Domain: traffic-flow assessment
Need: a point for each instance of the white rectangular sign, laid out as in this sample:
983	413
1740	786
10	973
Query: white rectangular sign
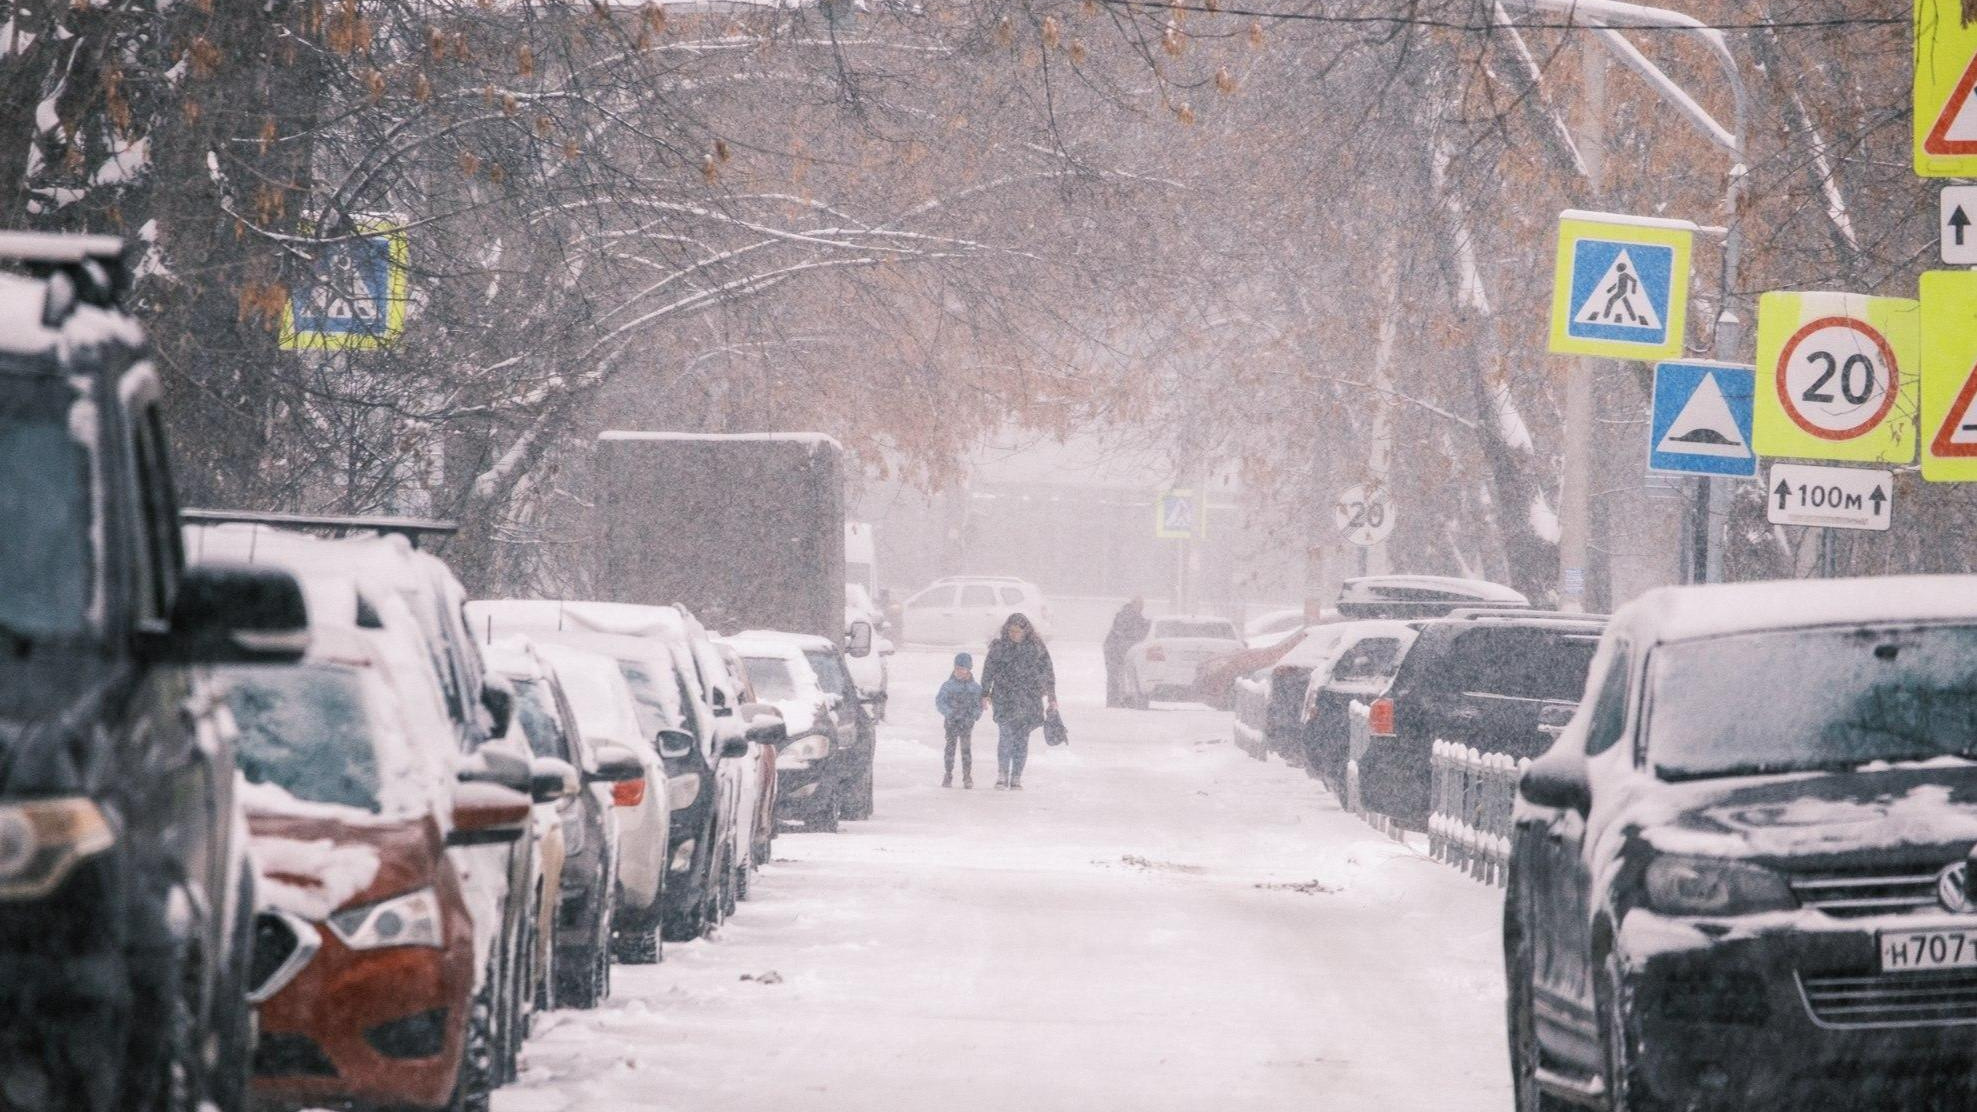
1958	225
1833	497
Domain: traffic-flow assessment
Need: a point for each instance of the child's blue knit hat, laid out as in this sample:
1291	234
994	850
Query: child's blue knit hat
964	660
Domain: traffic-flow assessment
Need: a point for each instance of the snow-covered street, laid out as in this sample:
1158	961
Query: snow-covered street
1157	922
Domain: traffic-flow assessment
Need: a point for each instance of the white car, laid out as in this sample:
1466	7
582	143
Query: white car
1166	664
970	610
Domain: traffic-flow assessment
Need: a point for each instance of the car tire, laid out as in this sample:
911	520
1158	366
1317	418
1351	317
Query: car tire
826	814
1625	1090
1522	1023
233	1017
637	947
731	886
473	1088
588	981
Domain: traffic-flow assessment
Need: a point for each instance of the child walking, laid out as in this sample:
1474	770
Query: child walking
960	704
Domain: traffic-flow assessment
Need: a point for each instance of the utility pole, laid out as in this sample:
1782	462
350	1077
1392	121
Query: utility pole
1379	462
1574	501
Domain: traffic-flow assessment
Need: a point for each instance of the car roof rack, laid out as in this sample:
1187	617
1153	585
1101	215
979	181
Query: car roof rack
1474	613
98	268
411	528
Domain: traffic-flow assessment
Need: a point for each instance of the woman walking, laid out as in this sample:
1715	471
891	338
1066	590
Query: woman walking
1020	684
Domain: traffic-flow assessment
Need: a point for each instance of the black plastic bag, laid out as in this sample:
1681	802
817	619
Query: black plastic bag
1054	732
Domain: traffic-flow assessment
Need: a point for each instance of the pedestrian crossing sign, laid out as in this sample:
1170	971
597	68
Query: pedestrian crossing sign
356	295
1701	422
1949	376
1179	517
1620	288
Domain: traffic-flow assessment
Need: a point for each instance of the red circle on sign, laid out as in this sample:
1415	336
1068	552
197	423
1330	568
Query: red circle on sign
1778	375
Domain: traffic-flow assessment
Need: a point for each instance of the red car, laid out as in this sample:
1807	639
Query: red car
370	1000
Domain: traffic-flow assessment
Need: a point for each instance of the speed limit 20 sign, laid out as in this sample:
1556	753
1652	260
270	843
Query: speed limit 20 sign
1837	377
1365	514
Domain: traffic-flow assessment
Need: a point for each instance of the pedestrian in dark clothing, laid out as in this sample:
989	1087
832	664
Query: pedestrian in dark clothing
959	702
1020	683
1129	628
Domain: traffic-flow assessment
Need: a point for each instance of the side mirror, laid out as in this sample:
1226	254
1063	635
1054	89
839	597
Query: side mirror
616	764
1558	782
858	641
735	745
487	815
499	699
675	743
233	614
768	730
551	780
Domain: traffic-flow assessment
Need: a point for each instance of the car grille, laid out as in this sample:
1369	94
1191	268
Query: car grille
283	1055
1852	895
1905	1000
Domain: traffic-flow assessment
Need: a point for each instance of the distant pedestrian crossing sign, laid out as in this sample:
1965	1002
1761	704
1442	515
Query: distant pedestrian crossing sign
1620	288
1701	423
1179	517
356	295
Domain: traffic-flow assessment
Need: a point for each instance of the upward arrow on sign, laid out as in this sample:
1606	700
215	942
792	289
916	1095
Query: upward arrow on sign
1959	220
1783	491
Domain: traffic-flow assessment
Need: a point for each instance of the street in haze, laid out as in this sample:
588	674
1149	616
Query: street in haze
1157	921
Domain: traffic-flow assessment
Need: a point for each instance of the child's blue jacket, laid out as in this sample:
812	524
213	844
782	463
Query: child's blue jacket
959	701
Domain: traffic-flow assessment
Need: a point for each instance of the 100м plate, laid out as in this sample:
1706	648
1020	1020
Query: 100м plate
1919	951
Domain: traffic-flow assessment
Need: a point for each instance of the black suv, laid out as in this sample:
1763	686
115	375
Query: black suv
1481	678
126	901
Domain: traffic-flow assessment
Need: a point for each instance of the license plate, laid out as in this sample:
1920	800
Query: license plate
1914	951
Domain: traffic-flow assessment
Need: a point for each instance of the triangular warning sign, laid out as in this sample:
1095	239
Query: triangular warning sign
1180	515
1619	298
1955	130
1957	438
1705	426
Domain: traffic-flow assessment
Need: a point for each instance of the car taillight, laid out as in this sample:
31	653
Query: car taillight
1380	718
628	793
1156	655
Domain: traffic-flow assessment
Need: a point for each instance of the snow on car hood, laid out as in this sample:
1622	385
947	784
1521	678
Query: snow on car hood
1817	813
799	717
314	877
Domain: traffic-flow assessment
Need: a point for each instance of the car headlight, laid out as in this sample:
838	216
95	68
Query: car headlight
408	920
1709	886
42	841
813	748
682	790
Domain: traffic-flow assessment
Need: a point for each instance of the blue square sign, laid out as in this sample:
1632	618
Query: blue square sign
1702	419
1620	291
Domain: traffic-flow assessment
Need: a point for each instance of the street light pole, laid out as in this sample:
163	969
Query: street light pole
1609	20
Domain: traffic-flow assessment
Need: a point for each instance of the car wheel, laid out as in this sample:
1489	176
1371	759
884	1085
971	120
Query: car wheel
1524	1052
826	814
637	947
476	1081
1625	1092
233	1016
731	886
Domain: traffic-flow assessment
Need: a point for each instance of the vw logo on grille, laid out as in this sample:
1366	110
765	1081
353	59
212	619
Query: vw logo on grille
1953	887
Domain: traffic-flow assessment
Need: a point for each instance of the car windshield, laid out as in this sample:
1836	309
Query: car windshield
656	695
1185	627
309	730
830	674
535	707
1813	699
45	550
772	676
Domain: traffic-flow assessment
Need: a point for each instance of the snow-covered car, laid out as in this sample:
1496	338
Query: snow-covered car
1421	596
970	610
574	946
870	670
1356	667
1273	626
1167	663
1741	877
373	995
125	892
680	686
378	580
815	758
762	783
607	717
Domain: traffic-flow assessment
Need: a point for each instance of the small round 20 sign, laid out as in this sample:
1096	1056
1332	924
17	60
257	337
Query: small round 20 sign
1365	514
1837	378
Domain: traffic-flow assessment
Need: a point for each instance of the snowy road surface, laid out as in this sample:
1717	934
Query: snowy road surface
1157	922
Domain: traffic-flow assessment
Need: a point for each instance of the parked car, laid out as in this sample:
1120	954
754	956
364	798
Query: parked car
679	685
575	944
858	732
1358	667
1166	664
1741	878
1273	626
1482	678
811	759
753	713
870	670
970	610
1215	680
370	575
607	717
126	895
1421	596
373	996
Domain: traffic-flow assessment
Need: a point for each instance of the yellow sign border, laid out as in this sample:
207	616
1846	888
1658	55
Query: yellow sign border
1949	359
1780	315
1945	49
397	296
1574	227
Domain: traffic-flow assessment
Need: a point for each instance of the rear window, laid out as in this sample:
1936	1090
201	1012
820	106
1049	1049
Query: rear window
772	677
45	559
1012	596
1371	659
308	730
1520	662
1181	627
